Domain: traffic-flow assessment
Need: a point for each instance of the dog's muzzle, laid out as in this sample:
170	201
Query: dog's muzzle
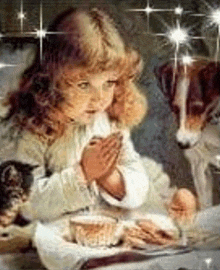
187	139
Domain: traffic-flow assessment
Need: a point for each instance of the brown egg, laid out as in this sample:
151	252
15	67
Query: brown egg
183	205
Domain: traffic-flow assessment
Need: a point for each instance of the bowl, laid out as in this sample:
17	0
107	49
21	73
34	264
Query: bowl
94	231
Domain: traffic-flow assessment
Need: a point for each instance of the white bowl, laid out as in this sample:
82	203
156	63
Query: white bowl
94	231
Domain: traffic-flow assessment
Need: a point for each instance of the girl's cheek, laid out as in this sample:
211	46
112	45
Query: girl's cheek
78	94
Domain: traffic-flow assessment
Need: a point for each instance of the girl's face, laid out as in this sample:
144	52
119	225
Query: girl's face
88	94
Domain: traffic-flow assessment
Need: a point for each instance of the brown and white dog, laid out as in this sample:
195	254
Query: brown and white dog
193	94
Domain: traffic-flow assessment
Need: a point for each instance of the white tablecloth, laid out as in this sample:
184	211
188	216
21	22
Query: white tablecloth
57	254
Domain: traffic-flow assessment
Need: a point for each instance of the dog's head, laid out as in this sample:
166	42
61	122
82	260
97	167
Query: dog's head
193	94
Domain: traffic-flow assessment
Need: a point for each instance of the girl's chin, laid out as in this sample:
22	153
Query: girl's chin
85	119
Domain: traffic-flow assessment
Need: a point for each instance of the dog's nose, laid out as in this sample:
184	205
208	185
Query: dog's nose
183	145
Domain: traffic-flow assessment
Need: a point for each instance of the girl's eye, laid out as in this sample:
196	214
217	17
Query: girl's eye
110	84
83	85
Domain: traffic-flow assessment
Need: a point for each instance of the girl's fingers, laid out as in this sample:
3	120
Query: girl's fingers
111	160
112	138
113	147
134	242
95	140
108	153
108	141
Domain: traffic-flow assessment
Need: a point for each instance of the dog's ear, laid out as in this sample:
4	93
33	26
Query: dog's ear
210	79
165	78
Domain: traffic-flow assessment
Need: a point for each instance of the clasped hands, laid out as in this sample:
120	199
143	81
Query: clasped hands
99	161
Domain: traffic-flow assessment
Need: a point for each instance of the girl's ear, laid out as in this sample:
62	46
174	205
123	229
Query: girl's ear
135	65
128	106
137	70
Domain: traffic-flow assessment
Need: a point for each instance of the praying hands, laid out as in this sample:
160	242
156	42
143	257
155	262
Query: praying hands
99	161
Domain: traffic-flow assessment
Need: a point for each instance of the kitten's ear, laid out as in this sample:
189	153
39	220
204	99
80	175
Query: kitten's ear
165	78
31	167
9	173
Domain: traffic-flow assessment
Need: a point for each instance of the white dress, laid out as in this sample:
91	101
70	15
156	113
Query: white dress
59	184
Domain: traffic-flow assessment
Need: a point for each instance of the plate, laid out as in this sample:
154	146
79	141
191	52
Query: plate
168	251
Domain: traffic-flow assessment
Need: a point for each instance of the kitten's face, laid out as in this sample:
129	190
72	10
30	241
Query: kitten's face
15	181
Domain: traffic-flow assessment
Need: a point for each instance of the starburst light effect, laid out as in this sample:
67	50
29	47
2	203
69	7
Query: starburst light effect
215	17
178	10
41	33
187	60
178	35
214	20
3	65
149	10
208	262
21	16
218	159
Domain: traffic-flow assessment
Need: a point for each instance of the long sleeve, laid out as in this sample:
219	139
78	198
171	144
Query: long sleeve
61	192
134	174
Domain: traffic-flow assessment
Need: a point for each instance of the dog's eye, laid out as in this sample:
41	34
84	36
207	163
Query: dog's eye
175	109
196	109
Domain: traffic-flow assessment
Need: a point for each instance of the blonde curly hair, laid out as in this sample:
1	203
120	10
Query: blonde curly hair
88	39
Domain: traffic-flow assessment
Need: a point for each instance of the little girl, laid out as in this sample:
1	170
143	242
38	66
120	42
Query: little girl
72	116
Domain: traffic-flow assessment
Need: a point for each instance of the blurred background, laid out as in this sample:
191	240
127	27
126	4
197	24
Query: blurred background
155	137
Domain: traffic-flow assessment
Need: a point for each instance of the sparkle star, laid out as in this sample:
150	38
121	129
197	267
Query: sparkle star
214	19
149	10
3	65
41	33
178	35
187	60
178	10
218	159
208	262
21	15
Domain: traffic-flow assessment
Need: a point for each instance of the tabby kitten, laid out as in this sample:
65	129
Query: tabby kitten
15	182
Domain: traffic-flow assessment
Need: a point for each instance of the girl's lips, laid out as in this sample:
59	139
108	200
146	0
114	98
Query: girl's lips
91	111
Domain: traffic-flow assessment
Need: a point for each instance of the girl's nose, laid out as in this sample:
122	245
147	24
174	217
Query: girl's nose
96	94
